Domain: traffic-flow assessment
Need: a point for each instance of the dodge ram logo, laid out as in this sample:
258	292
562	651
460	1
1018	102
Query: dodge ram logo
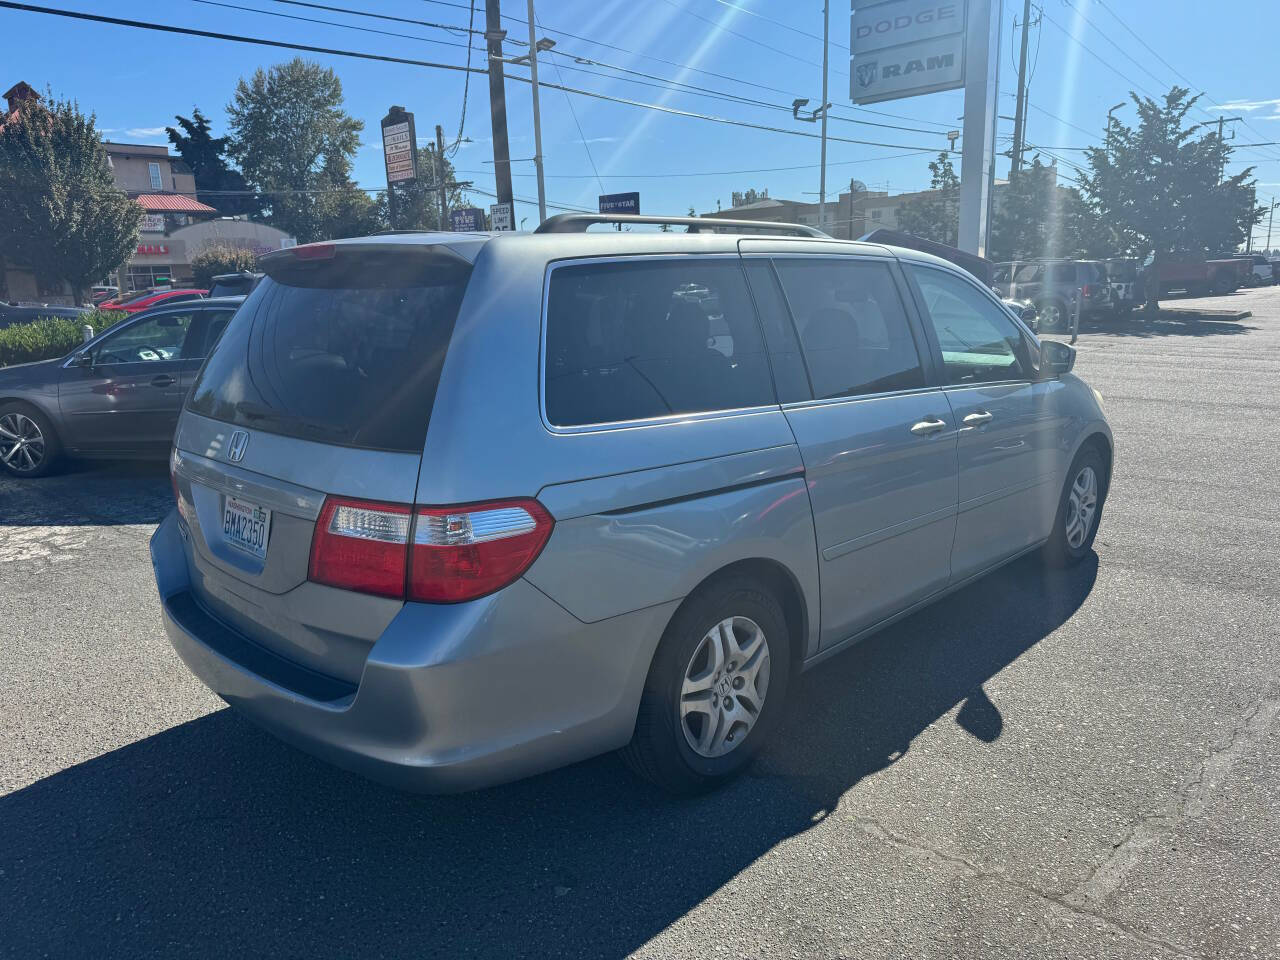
866	73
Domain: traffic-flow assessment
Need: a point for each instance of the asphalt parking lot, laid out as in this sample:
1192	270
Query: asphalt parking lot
1043	765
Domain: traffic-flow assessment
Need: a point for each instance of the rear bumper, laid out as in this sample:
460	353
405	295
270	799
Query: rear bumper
452	697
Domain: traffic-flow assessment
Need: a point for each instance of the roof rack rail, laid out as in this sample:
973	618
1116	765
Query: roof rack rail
579	222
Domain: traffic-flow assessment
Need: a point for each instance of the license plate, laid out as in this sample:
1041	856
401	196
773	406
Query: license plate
246	526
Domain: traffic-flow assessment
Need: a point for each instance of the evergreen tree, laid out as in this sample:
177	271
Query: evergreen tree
61	213
216	182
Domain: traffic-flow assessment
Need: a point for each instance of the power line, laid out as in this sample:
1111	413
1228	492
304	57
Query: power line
466	82
720	28
332	23
380	16
577	123
777	23
713	173
1072	37
239	38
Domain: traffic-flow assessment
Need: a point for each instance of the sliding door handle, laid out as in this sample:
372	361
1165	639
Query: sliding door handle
926	427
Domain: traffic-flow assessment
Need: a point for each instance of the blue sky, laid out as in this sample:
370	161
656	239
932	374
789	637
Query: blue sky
765	50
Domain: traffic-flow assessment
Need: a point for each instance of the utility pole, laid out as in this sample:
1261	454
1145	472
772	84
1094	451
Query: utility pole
494	35
440	184
1020	112
1270	217
822	175
537	122
1222	145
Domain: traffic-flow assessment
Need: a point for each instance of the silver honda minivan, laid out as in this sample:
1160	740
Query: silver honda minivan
453	509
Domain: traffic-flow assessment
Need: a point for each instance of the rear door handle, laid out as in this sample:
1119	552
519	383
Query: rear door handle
978	419
926	427
163	380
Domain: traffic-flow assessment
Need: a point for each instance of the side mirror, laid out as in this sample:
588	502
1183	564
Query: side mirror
1056	358
82	359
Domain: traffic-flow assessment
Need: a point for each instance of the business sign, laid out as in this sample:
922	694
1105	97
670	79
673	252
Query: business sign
620	203
903	48
152	223
399	146
466	219
153	249
500	216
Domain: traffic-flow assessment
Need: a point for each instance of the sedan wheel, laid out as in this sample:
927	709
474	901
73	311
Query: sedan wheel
22	443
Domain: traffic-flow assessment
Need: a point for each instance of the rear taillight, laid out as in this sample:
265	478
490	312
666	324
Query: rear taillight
433	554
460	553
359	545
1088	290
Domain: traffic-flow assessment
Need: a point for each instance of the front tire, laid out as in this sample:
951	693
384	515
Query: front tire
1053	314
28	443
716	689
1079	510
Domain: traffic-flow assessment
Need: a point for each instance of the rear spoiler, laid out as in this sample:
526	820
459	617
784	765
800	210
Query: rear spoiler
279	260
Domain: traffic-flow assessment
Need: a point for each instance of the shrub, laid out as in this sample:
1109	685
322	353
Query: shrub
213	260
48	337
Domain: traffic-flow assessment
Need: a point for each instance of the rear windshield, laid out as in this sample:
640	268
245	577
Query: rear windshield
346	350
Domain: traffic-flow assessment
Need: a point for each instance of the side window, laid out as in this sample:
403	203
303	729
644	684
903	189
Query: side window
147	341
789	374
648	338
153	169
980	341
853	328
205	333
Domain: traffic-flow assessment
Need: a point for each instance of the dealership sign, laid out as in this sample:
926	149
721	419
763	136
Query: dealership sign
399	146
903	48
620	203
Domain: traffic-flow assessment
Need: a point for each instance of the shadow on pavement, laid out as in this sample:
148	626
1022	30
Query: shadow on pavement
1185	325
89	492
214	838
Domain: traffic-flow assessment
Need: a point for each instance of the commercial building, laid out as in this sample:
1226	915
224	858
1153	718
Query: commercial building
176	226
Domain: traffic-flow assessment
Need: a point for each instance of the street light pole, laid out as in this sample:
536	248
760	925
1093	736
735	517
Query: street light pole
537	120
822	175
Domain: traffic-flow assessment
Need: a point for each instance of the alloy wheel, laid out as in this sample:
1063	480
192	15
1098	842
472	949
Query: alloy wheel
1082	507
724	687
22	445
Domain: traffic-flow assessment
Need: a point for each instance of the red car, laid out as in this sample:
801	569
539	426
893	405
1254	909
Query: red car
132	303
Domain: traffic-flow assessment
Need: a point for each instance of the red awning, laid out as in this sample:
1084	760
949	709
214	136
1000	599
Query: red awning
172	203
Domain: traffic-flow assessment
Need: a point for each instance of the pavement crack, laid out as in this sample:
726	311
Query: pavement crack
969	868
1193	800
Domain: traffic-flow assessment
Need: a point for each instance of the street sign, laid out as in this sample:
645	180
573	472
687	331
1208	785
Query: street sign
903	48
399	146
466	219
620	203
500	217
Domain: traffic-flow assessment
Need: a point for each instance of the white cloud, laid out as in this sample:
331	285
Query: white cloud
1271	108
597	140
145	132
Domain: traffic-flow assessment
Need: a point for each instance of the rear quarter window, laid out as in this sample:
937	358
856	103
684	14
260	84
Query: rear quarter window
633	340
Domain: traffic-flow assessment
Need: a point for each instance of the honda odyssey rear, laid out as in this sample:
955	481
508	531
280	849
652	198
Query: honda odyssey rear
457	508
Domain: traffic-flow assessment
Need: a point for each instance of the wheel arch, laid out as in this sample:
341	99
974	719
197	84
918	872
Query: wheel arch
1099	441
780	581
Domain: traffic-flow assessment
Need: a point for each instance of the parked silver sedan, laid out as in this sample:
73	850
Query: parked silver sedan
453	509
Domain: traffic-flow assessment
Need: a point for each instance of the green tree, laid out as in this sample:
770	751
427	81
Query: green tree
294	143
417	204
220	258
934	215
205	154
60	212
1161	185
1035	217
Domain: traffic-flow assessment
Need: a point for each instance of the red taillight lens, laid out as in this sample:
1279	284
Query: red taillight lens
460	553
314	251
1088	290
359	545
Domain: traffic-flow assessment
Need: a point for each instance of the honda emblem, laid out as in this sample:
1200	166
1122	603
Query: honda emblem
235	449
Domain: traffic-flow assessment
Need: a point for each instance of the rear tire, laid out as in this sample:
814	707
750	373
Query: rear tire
29	445
1079	510
1053	314
716	689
